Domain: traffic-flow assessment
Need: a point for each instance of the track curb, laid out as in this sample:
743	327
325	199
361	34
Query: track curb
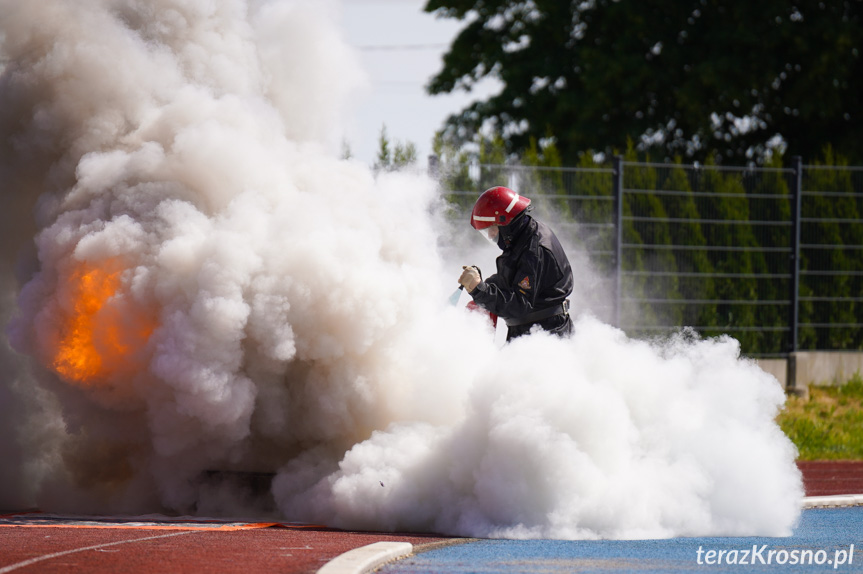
833	500
366	558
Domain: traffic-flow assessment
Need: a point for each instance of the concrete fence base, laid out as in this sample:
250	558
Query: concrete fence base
805	368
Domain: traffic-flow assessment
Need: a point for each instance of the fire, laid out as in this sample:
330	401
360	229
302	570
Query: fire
101	332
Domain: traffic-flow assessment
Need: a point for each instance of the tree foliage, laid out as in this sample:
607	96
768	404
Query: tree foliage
680	77
393	156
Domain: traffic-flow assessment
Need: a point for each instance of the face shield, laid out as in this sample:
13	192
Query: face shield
491	233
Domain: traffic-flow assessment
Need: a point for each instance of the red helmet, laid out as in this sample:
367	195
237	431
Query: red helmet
497	206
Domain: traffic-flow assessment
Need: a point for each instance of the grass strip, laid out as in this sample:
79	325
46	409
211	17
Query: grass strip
828	425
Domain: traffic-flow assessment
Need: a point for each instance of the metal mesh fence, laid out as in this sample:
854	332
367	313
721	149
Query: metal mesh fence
771	256
831	254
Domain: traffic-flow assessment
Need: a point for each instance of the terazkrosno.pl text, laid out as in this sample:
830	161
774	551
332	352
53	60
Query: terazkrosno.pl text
762	554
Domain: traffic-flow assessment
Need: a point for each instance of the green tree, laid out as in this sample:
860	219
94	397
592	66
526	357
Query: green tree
545	175
492	163
400	156
735	254
693	265
680	77
592	207
833	242
466	172
453	173
770	215
658	289
346	150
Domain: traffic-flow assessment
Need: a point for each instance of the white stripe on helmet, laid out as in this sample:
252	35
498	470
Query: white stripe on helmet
483	218
512	203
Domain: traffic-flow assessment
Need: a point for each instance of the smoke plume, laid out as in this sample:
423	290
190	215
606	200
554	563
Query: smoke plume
193	282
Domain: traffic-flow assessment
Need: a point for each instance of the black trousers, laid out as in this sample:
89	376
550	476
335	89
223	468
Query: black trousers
560	325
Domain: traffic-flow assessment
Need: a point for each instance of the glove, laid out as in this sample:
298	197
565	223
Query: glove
470	278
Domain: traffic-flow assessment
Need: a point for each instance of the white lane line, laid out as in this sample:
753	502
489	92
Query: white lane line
12	567
366	558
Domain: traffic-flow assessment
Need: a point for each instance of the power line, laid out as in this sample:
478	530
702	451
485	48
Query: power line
402	47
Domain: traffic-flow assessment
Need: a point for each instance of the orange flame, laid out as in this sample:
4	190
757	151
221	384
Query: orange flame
100	333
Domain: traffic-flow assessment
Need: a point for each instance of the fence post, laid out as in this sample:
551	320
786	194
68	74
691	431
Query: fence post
617	190
796	203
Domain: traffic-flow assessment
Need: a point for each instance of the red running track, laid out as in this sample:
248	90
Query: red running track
190	550
46	546
826	477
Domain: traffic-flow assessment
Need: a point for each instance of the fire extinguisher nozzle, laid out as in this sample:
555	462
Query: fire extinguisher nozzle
453	299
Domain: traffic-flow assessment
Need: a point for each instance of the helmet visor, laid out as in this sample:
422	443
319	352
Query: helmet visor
491	233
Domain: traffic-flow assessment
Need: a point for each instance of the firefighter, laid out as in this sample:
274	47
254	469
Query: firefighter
533	278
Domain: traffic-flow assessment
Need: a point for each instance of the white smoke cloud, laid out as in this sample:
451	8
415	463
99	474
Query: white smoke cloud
213	290
597	436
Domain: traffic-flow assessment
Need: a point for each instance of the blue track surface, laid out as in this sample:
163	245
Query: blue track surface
823	538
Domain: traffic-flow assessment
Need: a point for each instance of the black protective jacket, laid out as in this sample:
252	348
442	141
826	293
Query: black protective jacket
532	282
